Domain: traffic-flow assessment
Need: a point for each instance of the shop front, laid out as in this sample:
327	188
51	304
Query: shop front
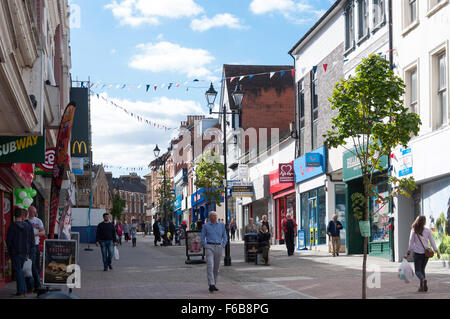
200	207
381	217
282	189
310	172
178	212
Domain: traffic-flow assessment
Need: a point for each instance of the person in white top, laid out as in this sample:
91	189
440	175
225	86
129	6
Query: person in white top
418	243
39	231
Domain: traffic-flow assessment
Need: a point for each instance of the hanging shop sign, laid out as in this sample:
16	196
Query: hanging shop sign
46	168
242	190
58	255
62	145
286	172
317	161
275	183
405	163
80	127
22	149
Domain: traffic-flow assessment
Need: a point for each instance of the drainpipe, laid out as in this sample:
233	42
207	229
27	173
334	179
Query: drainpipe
295	109
391	61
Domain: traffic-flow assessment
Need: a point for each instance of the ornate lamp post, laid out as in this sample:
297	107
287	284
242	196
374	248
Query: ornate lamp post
238	96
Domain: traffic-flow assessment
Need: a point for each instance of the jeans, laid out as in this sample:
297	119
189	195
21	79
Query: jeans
420	262
17	263
107	252
31	282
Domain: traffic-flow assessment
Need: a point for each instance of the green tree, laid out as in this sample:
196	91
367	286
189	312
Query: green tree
210	174
373	119
118	205
164	197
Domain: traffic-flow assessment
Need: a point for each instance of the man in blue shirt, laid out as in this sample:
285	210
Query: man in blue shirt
333	230
214	239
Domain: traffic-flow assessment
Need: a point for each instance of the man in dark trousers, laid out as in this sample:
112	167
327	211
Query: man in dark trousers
290	232
333	230
172	231
106	238
156	232
19	248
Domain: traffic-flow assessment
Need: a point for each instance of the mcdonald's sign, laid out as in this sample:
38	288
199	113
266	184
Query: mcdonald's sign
79	149
80	130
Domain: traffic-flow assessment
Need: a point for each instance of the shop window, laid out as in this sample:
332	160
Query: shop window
322	218
339	191
380	217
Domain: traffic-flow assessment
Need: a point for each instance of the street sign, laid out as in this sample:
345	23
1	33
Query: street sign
301	240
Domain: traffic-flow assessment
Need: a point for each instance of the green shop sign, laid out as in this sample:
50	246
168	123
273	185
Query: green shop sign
352	166
22	149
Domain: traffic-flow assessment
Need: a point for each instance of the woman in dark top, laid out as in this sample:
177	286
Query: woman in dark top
264	243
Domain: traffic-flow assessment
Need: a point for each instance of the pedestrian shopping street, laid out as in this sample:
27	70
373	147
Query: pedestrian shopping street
149	272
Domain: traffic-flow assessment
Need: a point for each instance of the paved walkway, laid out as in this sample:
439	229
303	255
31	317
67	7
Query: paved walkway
160	272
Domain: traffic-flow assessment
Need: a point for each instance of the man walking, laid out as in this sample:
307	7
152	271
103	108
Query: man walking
38	230
106	238
333	230
156	232
126	231
19	248
251	227
214	239
290	232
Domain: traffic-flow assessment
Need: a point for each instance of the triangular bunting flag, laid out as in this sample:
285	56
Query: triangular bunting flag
155	86
282	73
178	84
240	79
124	86
325	66
170	85
293	73
148	87
272	74
251	76
315	68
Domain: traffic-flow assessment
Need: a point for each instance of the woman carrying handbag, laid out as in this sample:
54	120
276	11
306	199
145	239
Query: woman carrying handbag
418	242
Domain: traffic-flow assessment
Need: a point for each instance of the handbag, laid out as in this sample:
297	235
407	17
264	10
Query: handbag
428	252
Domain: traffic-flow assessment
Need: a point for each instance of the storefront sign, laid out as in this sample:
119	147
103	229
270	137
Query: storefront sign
286	173
304	172
275	185
313	159
177	203
78	165
58	255
46	168
352	166
22	149
243	172
62	145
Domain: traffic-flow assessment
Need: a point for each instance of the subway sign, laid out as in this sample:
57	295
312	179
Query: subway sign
22	149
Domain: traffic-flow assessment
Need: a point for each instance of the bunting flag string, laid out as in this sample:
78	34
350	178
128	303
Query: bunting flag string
138	117
139	168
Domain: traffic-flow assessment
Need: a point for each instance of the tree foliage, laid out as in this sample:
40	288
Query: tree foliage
210	174
372	117
118	206
164	197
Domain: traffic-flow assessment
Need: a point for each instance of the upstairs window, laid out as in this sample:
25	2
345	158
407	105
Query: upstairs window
301	111
314	109
363	19
349	27
379	13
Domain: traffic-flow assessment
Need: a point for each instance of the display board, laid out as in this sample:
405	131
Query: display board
58	254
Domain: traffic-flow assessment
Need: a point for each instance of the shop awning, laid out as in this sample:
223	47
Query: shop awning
285	193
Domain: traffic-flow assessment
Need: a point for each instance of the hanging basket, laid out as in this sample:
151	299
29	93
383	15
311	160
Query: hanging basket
364	227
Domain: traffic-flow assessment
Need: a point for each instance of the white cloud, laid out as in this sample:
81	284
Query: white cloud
121	140
297	11
171	57
140	12
219	20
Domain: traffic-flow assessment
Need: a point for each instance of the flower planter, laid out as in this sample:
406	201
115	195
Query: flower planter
364	227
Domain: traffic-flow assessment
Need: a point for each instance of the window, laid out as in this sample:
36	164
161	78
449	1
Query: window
412	85
435	5
442	91
301	111
379	13
363	17
314	109
412	11
349	27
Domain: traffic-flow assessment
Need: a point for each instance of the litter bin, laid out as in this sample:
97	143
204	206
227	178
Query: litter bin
250	247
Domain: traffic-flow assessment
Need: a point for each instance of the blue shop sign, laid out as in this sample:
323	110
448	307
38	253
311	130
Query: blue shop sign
199	198
303	172
185	175
177	203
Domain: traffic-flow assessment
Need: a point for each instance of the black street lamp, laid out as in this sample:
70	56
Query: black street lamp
238	96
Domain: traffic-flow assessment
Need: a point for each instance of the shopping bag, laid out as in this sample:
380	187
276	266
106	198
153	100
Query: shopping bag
405	272
116	253
27	268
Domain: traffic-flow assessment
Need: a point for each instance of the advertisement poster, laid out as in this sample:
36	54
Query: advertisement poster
58	254
194	244
62	145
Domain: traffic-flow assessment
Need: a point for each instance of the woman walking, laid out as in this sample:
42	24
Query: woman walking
233	228
418	243
156	232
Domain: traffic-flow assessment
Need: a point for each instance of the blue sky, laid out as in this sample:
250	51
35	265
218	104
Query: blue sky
169	41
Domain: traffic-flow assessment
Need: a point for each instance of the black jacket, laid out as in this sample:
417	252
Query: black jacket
331	229
106	231
18	239
263	239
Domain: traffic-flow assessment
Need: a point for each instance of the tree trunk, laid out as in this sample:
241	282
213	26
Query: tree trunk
366	241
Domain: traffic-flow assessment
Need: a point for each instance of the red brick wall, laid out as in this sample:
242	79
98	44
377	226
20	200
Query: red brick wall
268	108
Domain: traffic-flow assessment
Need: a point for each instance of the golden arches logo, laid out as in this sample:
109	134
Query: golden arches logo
80	145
